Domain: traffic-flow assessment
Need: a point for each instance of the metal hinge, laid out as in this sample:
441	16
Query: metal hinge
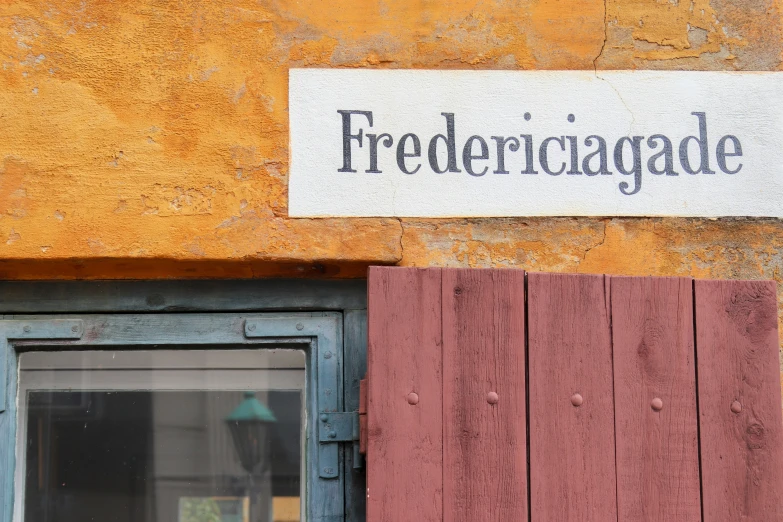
336	427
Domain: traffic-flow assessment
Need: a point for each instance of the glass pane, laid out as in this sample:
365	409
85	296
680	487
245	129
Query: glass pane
179	436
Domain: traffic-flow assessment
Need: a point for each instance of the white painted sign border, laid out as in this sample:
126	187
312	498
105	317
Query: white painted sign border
567	106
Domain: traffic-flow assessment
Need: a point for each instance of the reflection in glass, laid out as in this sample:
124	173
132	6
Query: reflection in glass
161	455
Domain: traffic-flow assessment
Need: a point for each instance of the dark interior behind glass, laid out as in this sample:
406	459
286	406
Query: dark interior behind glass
153	456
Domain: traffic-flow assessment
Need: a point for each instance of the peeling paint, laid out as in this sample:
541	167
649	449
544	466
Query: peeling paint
13	237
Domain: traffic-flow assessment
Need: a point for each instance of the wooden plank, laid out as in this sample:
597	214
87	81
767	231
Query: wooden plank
656	422
484	410
355	348
405	419
572	468
738	368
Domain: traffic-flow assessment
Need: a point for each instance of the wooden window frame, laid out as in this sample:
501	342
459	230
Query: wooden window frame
319	316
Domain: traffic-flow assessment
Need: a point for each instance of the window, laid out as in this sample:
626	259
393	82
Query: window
242	413
154	435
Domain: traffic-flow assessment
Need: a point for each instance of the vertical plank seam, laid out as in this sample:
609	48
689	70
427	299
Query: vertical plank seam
698	398
608	308
527	400
443	412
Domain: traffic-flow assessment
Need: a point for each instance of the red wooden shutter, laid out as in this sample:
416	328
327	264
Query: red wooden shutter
657	445
571	418
645	399
404	396
739	400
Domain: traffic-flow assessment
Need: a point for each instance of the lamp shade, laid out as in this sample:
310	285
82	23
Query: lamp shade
249	424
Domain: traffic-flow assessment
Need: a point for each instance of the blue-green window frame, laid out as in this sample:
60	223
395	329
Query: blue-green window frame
322	317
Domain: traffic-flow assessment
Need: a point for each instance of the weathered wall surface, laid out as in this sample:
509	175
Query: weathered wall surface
150	138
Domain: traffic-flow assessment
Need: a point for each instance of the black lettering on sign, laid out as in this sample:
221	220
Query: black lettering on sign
722	154
347	137
386	140
468	157
543	155
574	150
401	154
600	152
528	153
451	148
704	158
636	170
666	153
501	143
632	156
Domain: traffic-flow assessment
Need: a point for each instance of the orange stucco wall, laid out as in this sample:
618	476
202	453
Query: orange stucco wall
150	138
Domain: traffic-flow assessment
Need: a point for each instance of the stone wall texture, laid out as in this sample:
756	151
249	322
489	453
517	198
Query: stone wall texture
149	138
